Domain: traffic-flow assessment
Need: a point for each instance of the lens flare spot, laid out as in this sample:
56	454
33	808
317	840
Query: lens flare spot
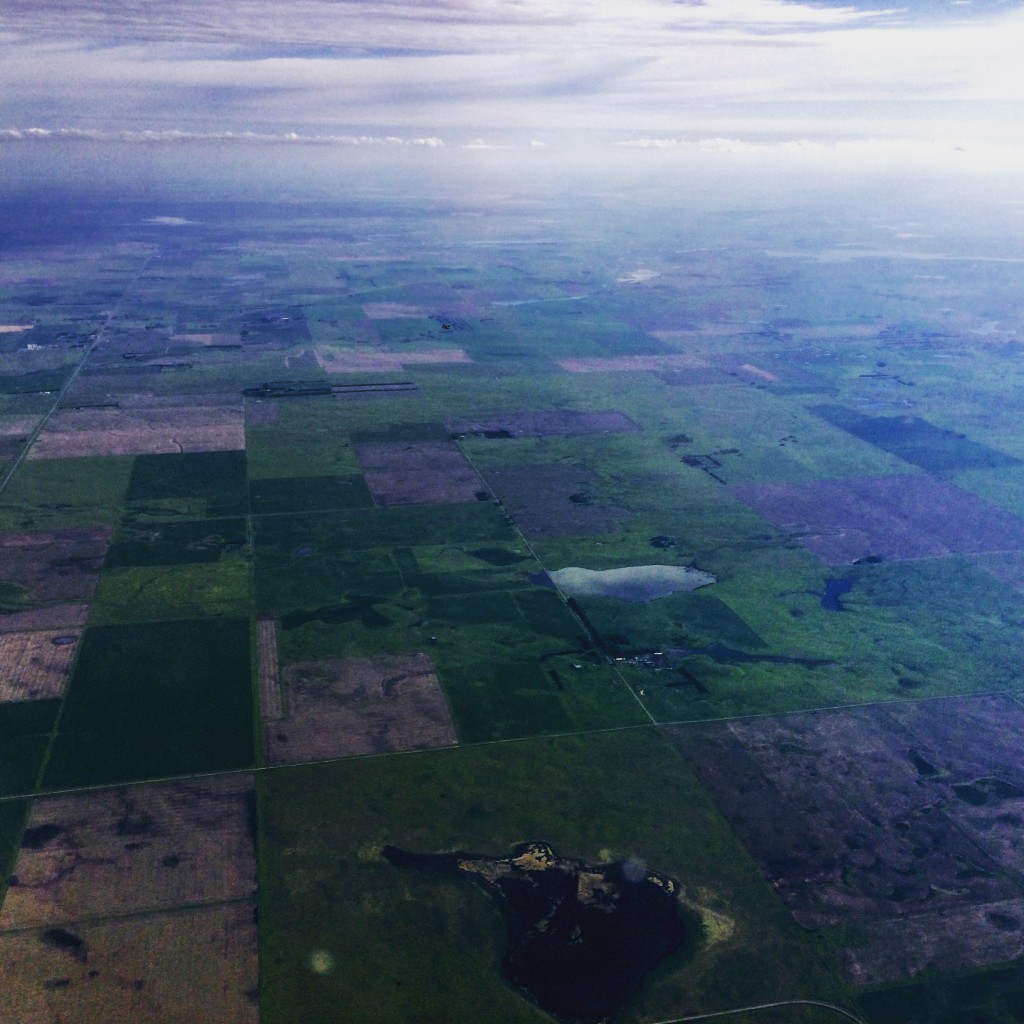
321	962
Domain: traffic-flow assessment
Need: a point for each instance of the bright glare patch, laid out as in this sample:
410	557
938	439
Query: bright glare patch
321	962
632	583
637	276
170	222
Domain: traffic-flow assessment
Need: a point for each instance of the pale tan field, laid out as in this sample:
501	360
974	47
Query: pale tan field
132	849
34	666
620	364
268	670
45	567
349	706
394	311
756	371
60	616
219	338
379	361
177	967
142	431
430	356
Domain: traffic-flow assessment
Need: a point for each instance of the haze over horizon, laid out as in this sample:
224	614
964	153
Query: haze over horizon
920	83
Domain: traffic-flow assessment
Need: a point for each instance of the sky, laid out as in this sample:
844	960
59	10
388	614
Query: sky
939	78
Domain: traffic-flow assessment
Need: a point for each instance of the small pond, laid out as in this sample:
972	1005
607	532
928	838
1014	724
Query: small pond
631	583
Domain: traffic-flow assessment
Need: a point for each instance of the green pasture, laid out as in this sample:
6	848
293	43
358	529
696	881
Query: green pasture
155	699
342	927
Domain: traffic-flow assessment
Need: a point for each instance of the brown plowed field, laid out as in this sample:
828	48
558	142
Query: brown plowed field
34	666
350	706
895	517
58	616
554	501
417	473
267	668
48	566
176	967
140	431
131	849
904	819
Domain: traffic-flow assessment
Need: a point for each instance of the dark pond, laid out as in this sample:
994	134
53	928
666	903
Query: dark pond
498	556
581	937
359	609
834	590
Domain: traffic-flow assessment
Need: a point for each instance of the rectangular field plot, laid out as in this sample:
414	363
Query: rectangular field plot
418	473
633	364
24	736
128	850
315	561
894	950
349	706
503	682
892	517
147	593
375	360
138	543
308	493
268	670
201	484
876	815
144	431
192	964
297	438
548	501
55	494
417	945
50	566
14	432
34	666
156	699
916	440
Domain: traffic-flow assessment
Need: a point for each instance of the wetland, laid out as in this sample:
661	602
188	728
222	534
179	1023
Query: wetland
581	937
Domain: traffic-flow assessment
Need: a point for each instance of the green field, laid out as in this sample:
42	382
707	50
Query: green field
403	945
156	699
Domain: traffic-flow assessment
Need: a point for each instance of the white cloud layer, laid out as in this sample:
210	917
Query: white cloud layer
368	72
172	136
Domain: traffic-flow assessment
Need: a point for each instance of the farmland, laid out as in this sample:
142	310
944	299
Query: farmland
329	528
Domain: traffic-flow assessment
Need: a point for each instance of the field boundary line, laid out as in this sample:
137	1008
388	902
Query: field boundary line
129	915
34	436
717	1014
529	547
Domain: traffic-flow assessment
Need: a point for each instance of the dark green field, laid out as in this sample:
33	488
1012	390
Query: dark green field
155	700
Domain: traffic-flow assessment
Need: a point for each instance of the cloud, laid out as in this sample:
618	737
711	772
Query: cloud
850	154
343	70
174	136
400	24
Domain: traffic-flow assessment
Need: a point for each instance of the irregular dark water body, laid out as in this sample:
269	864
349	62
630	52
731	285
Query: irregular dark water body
358	609
581	937
832	598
